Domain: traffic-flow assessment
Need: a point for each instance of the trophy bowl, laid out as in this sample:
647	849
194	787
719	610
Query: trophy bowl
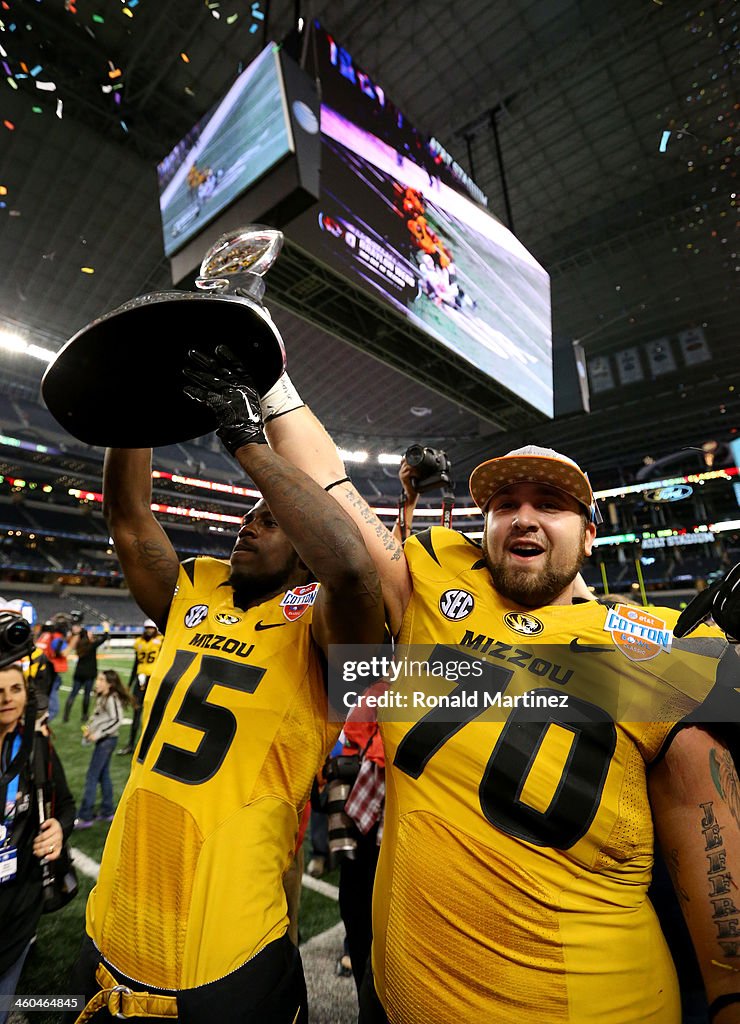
118	382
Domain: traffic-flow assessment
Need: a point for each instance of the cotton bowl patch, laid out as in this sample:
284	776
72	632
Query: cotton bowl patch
637	633
298	600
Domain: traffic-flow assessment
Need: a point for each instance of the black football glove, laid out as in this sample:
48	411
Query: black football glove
223	384
720	602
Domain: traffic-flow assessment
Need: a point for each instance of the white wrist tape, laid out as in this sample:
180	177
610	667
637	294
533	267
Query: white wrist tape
281	398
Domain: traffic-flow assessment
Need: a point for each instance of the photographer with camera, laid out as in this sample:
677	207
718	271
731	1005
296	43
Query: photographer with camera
29	840
423	469
56	640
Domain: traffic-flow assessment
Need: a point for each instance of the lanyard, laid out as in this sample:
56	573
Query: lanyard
12	791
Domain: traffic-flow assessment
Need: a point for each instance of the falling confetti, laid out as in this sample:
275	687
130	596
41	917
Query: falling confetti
184	58
9	125
59	109
46	86
87	270
664	141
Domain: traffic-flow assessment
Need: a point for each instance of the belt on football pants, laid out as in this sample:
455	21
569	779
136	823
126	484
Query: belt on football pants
121	1001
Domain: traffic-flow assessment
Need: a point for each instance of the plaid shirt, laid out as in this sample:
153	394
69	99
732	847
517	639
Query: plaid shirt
366	803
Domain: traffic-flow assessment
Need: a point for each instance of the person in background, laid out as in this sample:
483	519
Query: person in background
146	648
56	641
86	668
26	842
102	730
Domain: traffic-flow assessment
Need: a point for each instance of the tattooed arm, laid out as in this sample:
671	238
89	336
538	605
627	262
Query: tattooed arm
695	796
147	557
302	440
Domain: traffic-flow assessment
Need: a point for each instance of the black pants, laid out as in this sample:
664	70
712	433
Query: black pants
356	878
371	1009
269	987
79	683
138	695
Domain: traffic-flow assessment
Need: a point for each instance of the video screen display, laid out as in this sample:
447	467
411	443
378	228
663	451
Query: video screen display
226	152
400	217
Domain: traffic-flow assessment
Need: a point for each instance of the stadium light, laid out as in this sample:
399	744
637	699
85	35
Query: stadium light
347	456
12	342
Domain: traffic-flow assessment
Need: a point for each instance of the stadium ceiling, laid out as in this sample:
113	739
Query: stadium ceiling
559	109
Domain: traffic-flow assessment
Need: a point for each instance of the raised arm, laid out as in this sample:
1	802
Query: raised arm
301	439
695	795
349	608
147	557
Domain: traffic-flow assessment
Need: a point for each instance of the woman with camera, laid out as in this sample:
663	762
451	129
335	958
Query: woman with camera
29	840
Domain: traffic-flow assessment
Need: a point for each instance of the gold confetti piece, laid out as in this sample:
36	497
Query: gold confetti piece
185	58
9	125
3	190
129	13
87	270
115	73
725	967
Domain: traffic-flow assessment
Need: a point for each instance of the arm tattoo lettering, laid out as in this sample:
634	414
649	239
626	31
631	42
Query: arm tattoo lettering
720	881
368	516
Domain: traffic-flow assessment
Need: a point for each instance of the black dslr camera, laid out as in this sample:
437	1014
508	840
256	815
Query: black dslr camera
433	468
16	639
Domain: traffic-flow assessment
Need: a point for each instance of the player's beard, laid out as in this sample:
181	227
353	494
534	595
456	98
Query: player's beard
535	590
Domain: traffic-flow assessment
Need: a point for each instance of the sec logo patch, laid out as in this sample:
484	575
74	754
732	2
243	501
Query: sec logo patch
524	623
456	604
195	615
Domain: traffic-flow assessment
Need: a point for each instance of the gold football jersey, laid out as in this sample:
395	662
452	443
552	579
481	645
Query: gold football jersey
146	652
234	731
518	844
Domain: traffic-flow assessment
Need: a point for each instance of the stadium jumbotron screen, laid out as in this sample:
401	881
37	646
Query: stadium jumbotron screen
227	151
398	216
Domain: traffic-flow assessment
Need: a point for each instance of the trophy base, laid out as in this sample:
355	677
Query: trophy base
118	382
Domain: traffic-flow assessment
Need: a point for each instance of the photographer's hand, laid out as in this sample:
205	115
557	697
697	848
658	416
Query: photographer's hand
407	475
48	843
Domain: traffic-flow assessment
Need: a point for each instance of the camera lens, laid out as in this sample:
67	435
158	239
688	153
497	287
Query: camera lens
342	842
17	633
414	454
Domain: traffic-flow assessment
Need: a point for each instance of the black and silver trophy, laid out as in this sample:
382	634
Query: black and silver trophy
118	382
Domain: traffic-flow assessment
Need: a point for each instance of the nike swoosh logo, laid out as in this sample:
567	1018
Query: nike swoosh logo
579	648
269	625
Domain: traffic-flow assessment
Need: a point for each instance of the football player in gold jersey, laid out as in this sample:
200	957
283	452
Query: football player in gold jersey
188	918
146	649
516	854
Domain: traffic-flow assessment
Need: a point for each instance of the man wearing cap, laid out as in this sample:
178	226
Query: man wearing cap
517	850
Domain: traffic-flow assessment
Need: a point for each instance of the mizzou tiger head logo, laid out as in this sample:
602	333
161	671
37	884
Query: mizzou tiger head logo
524	623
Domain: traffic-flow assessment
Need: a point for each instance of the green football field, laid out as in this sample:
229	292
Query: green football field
59	935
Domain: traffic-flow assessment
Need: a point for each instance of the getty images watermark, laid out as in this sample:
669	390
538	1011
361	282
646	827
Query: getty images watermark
576	684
